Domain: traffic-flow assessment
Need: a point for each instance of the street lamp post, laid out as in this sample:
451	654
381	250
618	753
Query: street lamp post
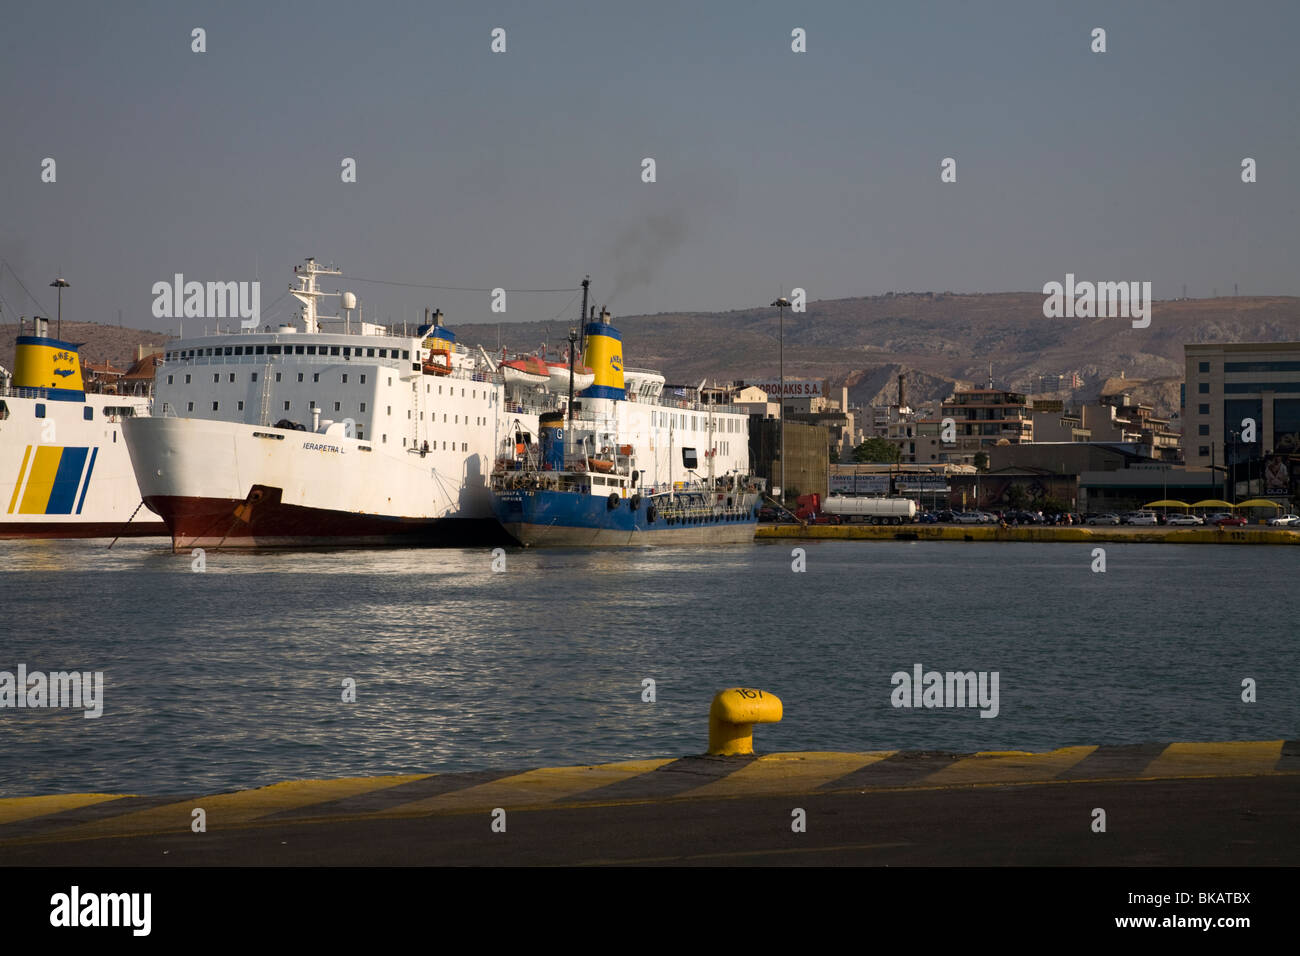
60	284
781	304
1233	466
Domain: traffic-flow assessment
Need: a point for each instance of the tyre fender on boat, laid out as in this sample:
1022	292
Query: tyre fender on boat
635	502
612	501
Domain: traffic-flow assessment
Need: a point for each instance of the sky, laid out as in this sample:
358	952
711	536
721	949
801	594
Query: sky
523	169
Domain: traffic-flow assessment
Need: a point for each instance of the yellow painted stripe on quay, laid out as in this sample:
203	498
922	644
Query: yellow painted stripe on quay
534	787
799	772
41	481
1217	759
13	809
22	470
1011	766
223	809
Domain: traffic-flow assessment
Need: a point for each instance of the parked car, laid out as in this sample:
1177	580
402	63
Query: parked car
966	517
943	516
1231	521
1107	518
1285	521
1185	520
1149	518
927	517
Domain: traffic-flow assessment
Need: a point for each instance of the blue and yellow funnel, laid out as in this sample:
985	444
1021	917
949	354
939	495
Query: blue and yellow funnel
43	362
436	335
605	357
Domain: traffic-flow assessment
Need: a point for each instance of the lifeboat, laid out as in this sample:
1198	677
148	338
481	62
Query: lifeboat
439	362
602	465
529	370
559	374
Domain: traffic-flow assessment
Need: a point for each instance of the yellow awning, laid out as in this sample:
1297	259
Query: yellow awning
1166	503
1213	503
1259	503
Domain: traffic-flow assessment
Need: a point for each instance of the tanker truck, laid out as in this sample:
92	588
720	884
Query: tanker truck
838	509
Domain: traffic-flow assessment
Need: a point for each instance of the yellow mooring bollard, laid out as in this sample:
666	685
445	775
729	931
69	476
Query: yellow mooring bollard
732	718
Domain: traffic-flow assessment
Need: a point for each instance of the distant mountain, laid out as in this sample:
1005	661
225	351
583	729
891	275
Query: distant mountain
939	339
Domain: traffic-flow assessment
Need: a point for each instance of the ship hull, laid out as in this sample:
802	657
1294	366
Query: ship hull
565	519
266	522
222	484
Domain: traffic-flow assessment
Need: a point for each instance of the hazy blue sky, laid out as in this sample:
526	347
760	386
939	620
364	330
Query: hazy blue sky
523	169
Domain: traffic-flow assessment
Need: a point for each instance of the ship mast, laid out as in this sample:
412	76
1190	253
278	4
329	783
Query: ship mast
308	293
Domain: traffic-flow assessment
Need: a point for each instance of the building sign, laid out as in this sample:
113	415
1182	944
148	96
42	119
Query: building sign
1047	405
922	484
794	388
860	484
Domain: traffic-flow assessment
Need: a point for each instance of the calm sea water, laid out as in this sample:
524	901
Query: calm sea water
233	677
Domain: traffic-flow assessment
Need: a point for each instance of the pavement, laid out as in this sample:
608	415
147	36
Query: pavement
1167	804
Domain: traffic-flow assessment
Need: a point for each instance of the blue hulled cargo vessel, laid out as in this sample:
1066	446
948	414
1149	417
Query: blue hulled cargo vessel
625	464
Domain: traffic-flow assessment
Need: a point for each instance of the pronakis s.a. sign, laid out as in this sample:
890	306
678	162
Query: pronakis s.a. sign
794	388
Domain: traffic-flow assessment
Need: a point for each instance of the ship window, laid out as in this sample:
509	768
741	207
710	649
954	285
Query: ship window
457	420
170	378
390	381
216	377
464	446
279	375
261	349
216	406
277	378
462	393
254	376
88	413
334	350
370	353
286	406
473	394
232	376
40	409
273	350
293	350
311	350
189	406
384	438
363	406
408	413
229	350
363	380
439	389
241	406
239	350
345	378
406	353
361	436
390	409
383	353
336	406
316	377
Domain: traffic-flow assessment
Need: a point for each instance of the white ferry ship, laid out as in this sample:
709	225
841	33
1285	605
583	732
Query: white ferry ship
338	432
341	432
63	459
